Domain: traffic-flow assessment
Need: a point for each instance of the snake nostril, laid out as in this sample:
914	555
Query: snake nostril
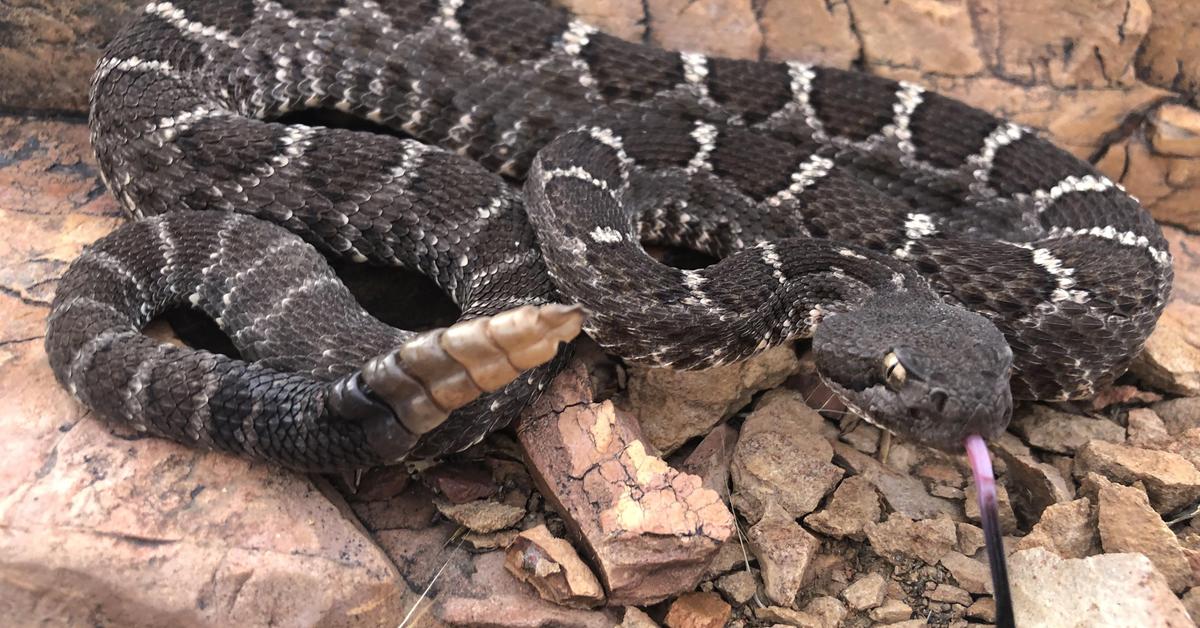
939	399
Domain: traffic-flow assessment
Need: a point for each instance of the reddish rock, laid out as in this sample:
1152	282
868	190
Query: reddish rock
1122	395
927	540
674	406
1110	590
1129	524
1171	481
782	458
552	567
698	610
784	551
650	529
854	504
1068	529
461	482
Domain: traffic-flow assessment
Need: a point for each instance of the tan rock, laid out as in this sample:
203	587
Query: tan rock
828	611
1036	485
1068	529
902	492
1171	481
784	551
781	458
1147	430
1187	444
865	593
1179	415
854	504
927	540
1046	428
623	18
787	617
1171	358
710	459
1167	57
948	593
893	33
1165	185
1110	590
972	575
890	611
1008	519
1129	524
650	529
1191	601
738	586
809	30
726	28
674	406
970	537
552	567
1176	131
698	610
481	515
636	618
984	609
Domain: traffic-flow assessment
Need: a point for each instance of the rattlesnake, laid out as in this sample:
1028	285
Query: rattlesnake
945	261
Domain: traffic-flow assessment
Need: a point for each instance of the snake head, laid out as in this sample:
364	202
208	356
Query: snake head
928	371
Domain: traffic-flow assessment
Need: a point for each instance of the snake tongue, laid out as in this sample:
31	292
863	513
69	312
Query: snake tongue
985	483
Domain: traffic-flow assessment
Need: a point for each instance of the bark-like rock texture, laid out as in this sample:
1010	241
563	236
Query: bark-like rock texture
104	528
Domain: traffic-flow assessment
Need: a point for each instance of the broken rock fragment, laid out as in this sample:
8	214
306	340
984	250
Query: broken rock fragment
1049	429
552	567
698	610
1129	524
1171	481
926	540
1067	529
854	504
784	551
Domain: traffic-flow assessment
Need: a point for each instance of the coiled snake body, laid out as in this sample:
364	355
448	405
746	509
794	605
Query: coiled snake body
945	261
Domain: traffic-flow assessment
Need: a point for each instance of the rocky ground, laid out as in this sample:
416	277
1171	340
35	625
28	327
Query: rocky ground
630	496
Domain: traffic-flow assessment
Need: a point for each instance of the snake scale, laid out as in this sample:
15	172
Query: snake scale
943	261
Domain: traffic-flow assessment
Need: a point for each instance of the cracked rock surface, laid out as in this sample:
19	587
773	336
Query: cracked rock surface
102	527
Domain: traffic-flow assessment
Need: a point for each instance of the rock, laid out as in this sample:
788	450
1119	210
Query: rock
1147	430
781	458
731	555
1035	486
1110	590
1176	130
827	610
481	515
552	567
1187	444
863	437
1166	58
902	492
674	406
854	504
710	459
731	24
650	530
1179	415
866	592
984	609
948	593
1191	601
1171	481
1171	358
460	482
1046	428
636	618
1122	395
698	610
809	29
970	538
1008	519
787	617
626	20
1068	529
738	586
1129	524
784	551
927	540
890	611
970	574
486	542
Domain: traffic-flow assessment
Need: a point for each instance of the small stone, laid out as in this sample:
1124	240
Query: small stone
698	610
1036	485
970	574
732	554
947	492
1129	524
865	593
1105	590
902	492
891	610
941	473
927	540
970	538
1122	395
788	617
864	437
1068	529
984	609
854	504
491	540
784	551
1147	430
1170	360
673	406
828	610
710	459
1046	428
460	483
553	568
738	586
481	516
636	618
1171	481
1176	130
781	458
1191	601
1187	444
1008	519
1180	414
950	594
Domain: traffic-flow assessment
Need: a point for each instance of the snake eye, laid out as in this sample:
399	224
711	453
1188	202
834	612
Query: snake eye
894	372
